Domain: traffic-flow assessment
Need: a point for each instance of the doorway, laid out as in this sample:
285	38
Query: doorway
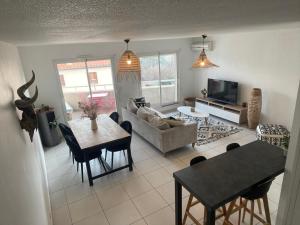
87	80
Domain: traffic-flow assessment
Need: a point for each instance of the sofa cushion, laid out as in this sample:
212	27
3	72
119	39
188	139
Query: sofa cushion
158	122
174	122
142	113
131	106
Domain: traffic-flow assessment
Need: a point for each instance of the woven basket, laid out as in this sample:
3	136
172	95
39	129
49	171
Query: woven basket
254	108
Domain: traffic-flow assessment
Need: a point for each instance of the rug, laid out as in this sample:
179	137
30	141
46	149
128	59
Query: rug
215	130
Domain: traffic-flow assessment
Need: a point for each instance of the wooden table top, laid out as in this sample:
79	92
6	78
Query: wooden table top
223	178
108	131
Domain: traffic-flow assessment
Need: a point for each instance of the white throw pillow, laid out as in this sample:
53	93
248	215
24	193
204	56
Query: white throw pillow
131	106
158	122
142	113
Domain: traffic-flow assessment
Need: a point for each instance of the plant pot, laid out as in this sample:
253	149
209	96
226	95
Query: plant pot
254	108
94	125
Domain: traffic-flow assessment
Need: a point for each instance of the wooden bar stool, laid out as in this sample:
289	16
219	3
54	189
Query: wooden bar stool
192	203
257	192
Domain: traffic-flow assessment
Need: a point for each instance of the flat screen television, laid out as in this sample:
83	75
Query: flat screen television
222	91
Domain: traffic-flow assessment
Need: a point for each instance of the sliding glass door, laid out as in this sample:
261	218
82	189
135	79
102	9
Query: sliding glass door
159	79
87	80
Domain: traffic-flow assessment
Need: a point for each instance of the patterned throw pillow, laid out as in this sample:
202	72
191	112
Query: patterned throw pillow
140	102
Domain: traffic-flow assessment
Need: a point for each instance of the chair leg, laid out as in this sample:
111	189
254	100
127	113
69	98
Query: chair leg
259	206
244	212
105	154
188	206
252	212
240	211
112	160
267	210
205	216
73	159
230	208
77	166
81	164
102	163
124	153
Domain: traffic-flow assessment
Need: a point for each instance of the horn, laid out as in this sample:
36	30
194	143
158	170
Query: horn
21	103
24	87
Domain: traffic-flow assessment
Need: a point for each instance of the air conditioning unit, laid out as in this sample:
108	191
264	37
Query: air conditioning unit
198	46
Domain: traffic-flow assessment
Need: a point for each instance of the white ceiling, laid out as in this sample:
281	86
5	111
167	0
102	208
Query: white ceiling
26	22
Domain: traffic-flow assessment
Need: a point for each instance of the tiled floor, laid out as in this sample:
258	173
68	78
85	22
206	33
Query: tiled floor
144	196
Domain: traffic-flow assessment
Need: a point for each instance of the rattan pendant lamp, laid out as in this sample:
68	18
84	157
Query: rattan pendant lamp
202	61
129	64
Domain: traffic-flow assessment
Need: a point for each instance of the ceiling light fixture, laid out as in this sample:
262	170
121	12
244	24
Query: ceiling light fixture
202	61
129	62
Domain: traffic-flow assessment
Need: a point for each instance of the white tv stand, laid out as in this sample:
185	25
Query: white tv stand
234	113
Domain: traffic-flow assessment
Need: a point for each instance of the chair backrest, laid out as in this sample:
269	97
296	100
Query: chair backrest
232	146
258	191
114	116
74	147
126	125
65	130
197	160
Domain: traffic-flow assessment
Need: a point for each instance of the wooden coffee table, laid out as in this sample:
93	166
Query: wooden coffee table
186	110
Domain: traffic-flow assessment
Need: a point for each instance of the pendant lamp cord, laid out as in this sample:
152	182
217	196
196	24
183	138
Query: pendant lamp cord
203	38
127	41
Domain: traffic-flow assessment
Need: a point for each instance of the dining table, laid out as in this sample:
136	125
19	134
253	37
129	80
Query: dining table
223	178
108	134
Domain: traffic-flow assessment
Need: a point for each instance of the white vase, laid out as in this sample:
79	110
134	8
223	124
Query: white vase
94	125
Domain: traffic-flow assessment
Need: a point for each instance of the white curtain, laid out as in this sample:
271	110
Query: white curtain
128	86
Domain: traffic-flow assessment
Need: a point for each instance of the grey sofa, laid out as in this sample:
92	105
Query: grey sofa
165	140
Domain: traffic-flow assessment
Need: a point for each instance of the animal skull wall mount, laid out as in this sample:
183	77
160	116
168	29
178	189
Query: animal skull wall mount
25	104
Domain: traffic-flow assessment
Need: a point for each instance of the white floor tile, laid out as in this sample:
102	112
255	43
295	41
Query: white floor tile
137	186
165	216
61	216
98	219
112	196
146	166
84	208
149	202
123	214
58	199
77	192
158	177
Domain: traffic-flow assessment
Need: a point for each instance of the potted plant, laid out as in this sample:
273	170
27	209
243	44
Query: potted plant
90	110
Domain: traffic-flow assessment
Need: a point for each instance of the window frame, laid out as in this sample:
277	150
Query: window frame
158	54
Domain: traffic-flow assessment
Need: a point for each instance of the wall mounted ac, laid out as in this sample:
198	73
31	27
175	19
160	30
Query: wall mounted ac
198	46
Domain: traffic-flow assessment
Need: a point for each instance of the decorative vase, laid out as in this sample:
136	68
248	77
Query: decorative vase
94	125
254	108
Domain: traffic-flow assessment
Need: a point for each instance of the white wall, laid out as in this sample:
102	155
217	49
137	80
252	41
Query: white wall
269	60
41	59
23	189
289	207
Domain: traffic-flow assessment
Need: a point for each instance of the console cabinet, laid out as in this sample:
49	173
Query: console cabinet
234	113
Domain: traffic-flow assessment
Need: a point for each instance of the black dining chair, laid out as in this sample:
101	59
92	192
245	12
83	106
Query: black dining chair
115	116
65	130
257	192
126	125
79	155
232	146
192	203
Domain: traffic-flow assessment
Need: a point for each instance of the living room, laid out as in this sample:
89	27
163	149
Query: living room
172	162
